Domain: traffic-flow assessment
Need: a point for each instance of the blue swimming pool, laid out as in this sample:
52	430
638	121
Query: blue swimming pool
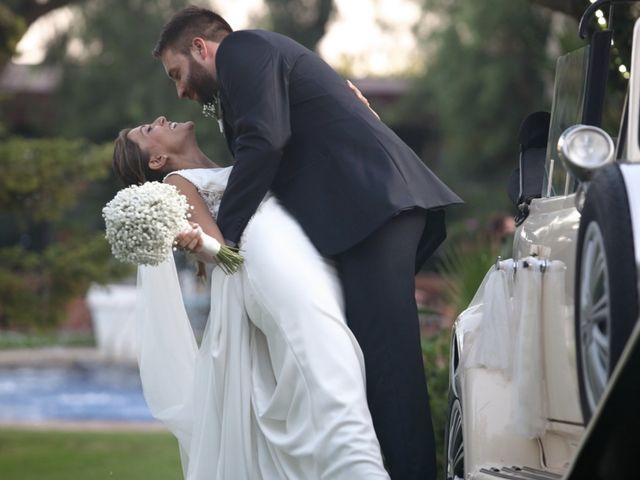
104	393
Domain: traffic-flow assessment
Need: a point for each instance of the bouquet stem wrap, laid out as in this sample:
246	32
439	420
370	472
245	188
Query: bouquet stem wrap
229	258
143	220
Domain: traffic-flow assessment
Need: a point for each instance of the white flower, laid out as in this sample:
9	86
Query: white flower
143	220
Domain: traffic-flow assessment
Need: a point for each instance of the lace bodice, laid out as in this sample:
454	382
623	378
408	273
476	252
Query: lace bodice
210	183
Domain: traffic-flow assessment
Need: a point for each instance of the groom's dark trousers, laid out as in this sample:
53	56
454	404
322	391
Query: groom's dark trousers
361	195
377	276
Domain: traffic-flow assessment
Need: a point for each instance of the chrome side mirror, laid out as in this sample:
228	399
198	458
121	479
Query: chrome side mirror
584	149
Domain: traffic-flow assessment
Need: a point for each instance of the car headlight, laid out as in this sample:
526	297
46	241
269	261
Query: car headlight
584	148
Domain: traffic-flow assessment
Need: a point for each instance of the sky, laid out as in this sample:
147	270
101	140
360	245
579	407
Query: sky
355	37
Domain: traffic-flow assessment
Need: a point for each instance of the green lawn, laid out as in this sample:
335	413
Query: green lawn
48	455
15	340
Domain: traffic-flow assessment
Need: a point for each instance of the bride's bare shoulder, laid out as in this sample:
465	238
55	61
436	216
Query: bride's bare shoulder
181	183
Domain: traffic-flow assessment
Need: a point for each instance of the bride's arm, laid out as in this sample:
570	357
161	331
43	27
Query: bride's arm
200	215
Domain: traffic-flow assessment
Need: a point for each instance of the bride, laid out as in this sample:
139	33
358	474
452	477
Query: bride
276	389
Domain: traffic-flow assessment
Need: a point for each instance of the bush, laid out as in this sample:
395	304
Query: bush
463	264
435	351
47	257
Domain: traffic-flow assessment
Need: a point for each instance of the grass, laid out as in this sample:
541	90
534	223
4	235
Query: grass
52	455
15	340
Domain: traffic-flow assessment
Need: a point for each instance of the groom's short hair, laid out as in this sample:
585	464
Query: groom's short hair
188	23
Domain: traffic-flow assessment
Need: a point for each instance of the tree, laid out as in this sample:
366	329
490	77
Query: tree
573	8
115	82
12	28
52	190
31	10
15	18
46	258
303	20
485	68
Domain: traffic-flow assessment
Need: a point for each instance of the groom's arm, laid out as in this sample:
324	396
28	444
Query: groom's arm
255	81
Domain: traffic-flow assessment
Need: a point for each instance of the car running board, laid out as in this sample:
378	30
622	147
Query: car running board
520	473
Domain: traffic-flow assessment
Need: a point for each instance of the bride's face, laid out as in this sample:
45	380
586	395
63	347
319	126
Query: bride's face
163	137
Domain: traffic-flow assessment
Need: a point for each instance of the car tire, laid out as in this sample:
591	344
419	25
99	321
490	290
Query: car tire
606	297
454	440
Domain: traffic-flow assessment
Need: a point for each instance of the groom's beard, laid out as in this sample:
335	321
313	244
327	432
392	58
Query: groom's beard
201	83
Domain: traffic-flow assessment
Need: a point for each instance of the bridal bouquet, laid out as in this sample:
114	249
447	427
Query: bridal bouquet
142	222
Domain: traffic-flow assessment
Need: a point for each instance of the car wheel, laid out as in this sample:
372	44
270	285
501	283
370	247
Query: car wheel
454	440
606	298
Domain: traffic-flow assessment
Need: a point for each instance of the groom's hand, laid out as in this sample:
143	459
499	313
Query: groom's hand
191	239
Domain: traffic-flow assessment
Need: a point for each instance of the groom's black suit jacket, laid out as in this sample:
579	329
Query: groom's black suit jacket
295	127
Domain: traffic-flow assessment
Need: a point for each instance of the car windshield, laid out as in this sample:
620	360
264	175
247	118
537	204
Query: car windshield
566	110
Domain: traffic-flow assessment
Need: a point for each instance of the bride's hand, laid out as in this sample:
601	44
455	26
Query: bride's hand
191	239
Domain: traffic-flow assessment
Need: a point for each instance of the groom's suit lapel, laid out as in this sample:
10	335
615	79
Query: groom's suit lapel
228	132
229	136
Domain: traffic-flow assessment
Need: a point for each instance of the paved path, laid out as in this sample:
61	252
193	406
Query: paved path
85	426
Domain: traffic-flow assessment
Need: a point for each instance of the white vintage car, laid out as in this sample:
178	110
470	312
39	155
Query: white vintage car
532	356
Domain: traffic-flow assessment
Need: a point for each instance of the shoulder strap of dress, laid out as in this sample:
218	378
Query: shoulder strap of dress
186	174
209	179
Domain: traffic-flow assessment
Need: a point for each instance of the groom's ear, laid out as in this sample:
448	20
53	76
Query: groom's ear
199	48
157	162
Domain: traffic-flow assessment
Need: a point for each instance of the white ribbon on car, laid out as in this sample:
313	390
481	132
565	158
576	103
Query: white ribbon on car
493	340
508	337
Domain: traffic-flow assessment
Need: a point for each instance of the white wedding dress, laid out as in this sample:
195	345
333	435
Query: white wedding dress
276	389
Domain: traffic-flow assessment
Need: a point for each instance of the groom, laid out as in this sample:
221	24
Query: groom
362	196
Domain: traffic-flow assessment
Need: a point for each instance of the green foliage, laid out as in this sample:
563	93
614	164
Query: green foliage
36	455
486	63
46	258
12	28
35	287
113	81
572	8
464	264
486	76
435	352
41	178
303	20
17	340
